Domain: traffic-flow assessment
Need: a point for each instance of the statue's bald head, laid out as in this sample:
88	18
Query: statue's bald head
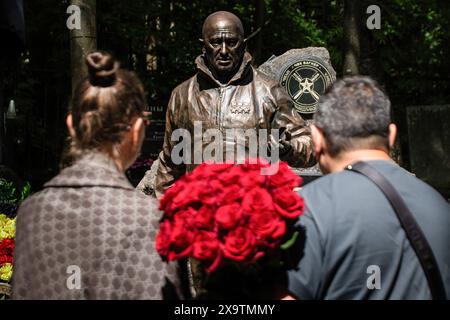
223	44
222	20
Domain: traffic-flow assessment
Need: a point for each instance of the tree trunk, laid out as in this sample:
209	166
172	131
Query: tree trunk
12	33
82	41
260	9
351	37
2	115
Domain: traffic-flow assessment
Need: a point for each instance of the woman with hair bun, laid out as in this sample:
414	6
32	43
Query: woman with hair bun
89	234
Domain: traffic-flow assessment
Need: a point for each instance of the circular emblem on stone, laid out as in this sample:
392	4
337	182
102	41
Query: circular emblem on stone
305	81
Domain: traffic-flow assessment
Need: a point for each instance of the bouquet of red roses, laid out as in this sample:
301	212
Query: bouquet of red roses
225	212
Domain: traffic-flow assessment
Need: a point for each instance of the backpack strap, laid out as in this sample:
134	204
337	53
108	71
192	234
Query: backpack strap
413	232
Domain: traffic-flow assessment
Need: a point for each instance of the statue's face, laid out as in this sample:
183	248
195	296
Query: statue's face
224	46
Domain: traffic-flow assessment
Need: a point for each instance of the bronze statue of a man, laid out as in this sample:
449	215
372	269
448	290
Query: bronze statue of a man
228	93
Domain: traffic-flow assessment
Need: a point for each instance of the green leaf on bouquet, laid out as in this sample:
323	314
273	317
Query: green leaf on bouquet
289	243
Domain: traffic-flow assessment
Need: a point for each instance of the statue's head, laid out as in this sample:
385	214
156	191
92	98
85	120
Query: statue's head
223	44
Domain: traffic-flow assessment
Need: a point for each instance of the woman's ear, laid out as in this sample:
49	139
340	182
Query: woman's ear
69	123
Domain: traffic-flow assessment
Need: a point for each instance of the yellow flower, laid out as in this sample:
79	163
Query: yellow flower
6	272
7	227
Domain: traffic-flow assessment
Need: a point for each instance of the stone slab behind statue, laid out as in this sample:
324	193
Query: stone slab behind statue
304	73
293	70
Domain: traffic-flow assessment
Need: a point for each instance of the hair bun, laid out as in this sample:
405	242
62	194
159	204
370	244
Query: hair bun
102	69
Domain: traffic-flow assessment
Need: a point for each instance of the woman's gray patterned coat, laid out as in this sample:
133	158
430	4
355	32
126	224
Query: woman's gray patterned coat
90	235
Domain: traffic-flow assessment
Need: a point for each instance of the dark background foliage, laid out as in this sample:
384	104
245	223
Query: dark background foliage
159	40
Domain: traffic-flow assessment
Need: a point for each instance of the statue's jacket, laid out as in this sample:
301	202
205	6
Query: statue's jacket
90	235
250	100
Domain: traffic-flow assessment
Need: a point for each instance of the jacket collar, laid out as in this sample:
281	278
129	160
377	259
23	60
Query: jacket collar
92	169
244	67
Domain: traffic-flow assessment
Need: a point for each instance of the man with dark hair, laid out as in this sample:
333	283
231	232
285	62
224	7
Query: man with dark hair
354	244
227	93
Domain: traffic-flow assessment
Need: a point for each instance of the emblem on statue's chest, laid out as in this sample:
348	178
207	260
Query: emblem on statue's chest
240	108
305	81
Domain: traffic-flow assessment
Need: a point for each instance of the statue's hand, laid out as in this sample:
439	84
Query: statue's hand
284	145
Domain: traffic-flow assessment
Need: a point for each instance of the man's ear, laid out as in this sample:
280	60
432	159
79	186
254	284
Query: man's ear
69	123
392	134
318	139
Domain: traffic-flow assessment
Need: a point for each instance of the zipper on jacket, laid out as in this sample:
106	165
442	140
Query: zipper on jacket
219	108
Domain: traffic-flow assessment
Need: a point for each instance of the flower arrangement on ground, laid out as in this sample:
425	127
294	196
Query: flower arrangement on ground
9	202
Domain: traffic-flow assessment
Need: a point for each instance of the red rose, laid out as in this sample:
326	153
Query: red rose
288	203
228	216
230	194
207	249
239	245
250	172
7	246
231	176
207	191
267	225
162	241
198	173
6	250
206	246
5	259
215	185
284	177
251	179
188	195
166	202
204	218
254	164
209	169
220	167
257	200
181	237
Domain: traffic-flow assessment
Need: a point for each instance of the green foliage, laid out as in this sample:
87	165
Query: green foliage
25	192
169	31
7	192
412	49
408	55
10	194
